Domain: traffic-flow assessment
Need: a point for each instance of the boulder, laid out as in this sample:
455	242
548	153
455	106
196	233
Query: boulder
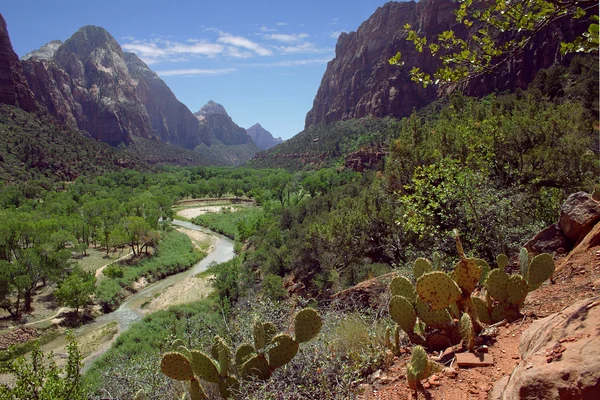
549	240
560	357
578	215
368	294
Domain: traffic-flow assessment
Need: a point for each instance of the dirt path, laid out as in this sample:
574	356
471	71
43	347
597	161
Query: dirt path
99	270
190	213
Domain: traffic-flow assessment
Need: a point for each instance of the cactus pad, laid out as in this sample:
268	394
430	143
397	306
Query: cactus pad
502	261
259	335
485	269
257	366
437	319
403	313
422	266
401	286
517	289
438	289
481	309
411	377
307	325
466	331
184	350
270	332
524	263
243	354
176	366
176	343
196	391
540	269
140	395
228	386
204	367
419	361
496	284
223	355
284	350
467	273
438	341
503	311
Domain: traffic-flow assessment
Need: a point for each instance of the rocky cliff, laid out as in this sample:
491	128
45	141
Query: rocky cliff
90	84
13	86
262	137
360	82
212	116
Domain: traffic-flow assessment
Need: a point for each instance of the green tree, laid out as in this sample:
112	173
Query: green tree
39	378
495	33
77	289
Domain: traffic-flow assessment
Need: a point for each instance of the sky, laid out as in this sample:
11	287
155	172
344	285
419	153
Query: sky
262	60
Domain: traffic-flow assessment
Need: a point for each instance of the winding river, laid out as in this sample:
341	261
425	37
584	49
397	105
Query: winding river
130	310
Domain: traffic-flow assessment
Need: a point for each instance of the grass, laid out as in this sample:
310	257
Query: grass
226	223
174	253
97	258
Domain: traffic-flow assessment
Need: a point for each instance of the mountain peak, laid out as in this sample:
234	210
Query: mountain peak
262	137
211	108
46	52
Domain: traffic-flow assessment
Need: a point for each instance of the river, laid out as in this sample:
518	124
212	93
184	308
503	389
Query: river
130	310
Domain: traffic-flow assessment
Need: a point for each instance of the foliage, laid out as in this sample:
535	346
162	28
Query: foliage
77	289
229	223
494	33
420	367
40	378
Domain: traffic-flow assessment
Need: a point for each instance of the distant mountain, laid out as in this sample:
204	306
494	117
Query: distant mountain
360	82
262	137
90	84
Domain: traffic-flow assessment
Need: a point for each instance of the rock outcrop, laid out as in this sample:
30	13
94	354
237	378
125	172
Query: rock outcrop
360	82
212	116
170	118
87	85
262	137
578	215
560	357
13	85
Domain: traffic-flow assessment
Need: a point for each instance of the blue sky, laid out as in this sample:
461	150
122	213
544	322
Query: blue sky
263	60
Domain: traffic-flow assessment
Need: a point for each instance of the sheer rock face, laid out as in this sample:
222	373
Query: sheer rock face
262	137
360	82
213	117
170	118
90	84
13	85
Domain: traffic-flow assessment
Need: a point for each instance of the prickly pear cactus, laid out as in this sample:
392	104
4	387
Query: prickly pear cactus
259	335
524	262
257	366
283	352
516	289
422	266
481	309
307	325
466	274
140	395
176	366
205	367
403	313
196	391
401	286
541	269
467	332
243	354
420	367
438	289
502	261
496	285
437	319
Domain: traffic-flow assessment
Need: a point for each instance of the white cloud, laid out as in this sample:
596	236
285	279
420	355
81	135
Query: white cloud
239	41
335	35
281	24
237	53
286	38
264	28
295	63
195	71
157	50
305	47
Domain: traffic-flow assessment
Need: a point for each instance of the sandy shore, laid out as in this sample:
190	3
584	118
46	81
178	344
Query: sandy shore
201	240
186	291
